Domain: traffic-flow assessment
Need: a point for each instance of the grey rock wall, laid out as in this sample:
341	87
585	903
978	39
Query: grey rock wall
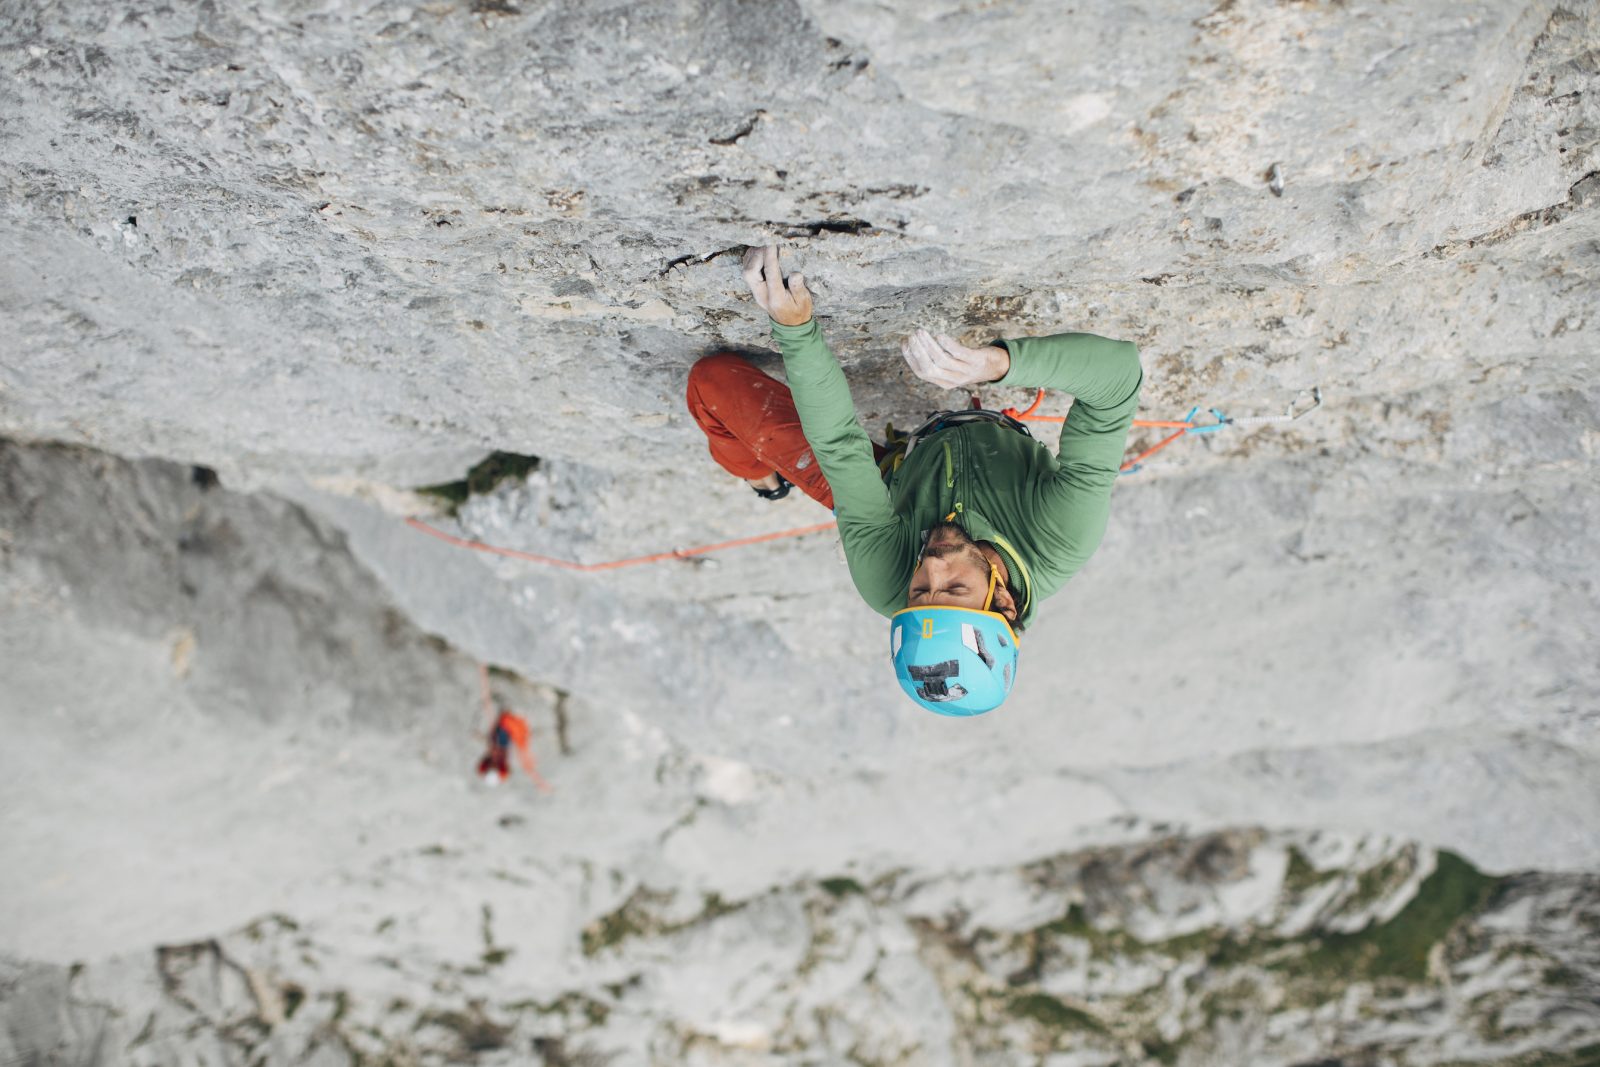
408	232
267	618
333	253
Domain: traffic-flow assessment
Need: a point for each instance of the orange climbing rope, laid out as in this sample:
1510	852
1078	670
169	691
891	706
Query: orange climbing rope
1130	464
655	557
1179	428
1187	425
1028	413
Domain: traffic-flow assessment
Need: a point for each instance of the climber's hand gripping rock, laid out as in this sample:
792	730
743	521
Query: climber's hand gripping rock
787	304
947	363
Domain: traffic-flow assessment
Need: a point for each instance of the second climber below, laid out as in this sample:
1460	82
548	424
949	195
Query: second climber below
957	532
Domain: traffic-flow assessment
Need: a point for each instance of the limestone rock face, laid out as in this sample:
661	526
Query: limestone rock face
1272	949
406	232
269	269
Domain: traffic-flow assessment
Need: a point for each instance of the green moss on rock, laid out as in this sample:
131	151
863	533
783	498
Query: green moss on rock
1051	1013
1300	875
1376	883
1103	944
635	917
613	928
474	1030
1583	1056
1164	1052
482	478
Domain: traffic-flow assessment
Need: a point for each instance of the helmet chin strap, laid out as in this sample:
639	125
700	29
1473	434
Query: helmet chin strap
994	572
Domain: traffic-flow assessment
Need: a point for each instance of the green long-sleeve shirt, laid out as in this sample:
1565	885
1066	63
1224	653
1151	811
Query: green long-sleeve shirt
1045	514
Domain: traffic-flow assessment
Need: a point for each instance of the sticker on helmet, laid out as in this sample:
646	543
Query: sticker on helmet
972	637
937	685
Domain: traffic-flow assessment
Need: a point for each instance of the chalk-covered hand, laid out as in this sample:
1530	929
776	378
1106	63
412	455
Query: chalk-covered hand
789	304
949	364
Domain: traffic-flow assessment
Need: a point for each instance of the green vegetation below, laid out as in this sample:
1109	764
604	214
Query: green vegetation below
613	928
1164	1052
567	1005
1103	943
1300	875
1375	883
634	918
482	478
1051	1013
476	1032
1585	1056
1399	948
1110	943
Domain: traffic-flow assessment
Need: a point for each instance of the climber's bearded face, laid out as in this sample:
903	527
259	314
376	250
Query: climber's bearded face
954	572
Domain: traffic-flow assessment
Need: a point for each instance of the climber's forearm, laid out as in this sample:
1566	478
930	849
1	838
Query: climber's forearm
828	419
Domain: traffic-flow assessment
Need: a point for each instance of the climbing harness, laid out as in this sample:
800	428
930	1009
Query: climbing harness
892	460
943	420
1187	425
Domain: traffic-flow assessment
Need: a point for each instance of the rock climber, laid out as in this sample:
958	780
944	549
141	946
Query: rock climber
509	730
957	531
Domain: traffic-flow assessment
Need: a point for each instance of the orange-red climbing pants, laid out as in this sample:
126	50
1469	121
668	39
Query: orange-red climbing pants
751	424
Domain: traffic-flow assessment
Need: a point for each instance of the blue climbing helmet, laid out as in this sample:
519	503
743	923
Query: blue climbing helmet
955	661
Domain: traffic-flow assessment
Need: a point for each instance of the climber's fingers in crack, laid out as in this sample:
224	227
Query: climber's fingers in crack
754	276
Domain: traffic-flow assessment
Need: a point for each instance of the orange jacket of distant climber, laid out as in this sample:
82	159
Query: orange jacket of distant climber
509	730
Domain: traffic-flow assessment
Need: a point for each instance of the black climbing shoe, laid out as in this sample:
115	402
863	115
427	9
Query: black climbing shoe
784	485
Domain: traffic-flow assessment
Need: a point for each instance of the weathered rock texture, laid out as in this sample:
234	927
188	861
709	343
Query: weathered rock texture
1233	948
405	232
334	252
